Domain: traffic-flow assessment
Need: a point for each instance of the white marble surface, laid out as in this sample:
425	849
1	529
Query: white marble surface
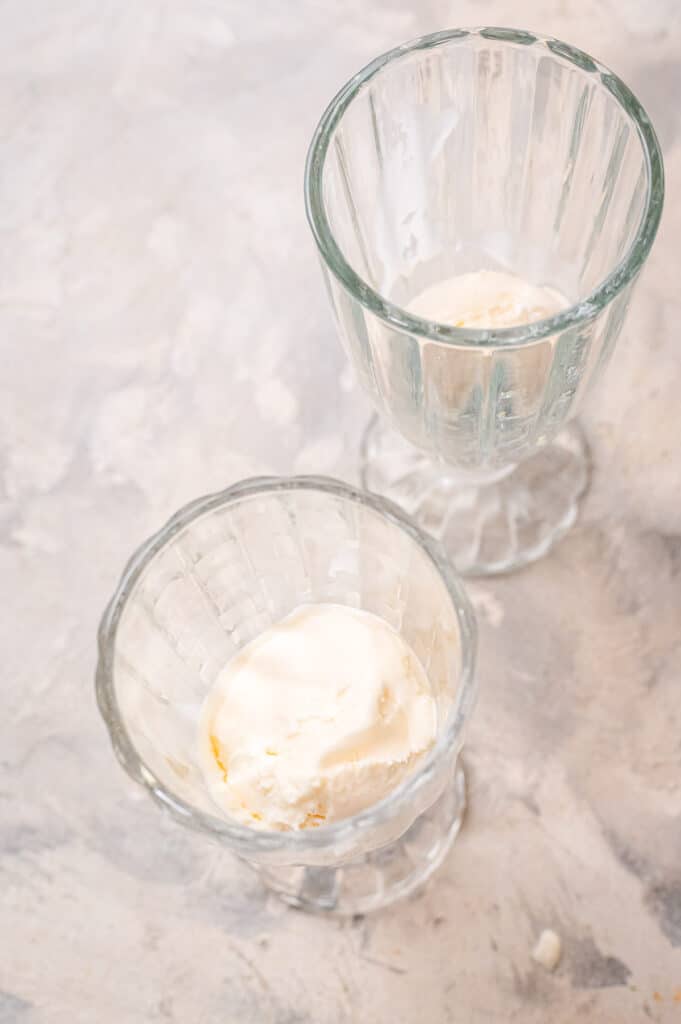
164	332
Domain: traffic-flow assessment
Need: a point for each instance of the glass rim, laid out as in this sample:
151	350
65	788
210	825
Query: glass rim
242	837
577	313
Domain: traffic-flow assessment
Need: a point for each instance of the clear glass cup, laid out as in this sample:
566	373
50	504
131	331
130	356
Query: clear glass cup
222	570
467	150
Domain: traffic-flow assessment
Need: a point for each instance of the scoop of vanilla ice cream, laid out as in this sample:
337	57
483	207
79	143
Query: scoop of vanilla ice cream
316	719
486	299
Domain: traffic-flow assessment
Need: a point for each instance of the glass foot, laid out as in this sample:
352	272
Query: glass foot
382	876
487	524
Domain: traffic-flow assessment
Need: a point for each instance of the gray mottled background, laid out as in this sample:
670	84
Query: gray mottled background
164	332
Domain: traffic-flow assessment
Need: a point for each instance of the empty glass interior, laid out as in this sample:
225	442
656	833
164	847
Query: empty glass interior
484	153
237	569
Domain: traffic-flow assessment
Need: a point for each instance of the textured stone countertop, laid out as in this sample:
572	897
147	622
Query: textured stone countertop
165	332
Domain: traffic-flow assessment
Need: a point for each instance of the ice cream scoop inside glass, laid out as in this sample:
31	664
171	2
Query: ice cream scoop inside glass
483	201
218	576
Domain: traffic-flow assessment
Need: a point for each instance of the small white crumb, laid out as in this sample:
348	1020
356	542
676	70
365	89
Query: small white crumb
548	949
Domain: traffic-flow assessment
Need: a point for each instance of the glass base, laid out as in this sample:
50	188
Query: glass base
378	878
489	522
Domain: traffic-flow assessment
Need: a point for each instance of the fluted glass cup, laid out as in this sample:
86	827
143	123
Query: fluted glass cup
222	570
468	150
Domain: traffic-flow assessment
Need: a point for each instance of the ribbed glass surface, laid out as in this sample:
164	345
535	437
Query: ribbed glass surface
226	568
482	150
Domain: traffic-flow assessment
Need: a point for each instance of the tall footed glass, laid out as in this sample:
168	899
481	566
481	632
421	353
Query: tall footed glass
488	149
224	569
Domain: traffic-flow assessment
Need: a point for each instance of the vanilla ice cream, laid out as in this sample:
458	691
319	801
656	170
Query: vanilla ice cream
486	299
319	717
